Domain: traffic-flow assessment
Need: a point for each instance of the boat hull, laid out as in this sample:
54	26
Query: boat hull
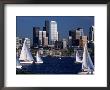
19	67
29	62
78	62
38	62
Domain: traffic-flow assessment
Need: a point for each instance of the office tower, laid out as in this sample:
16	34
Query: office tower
80	31
43	33
36	36
28	42
91	33
47	28
40	38
64	44
70	33
70	41
83	41
44	28
53	32
45	41
78	34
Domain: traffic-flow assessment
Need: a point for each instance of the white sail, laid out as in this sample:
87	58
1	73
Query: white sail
87	62
78	57
38	58
84	60
25	53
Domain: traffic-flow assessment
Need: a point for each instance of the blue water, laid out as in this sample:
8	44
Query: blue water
52	65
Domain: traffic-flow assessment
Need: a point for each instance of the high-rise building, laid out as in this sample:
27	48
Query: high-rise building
36	36
83	41
40	38
64	44
81	31
45	41
47	28
53	32
43	33
44	38
91	33
70	41
78	34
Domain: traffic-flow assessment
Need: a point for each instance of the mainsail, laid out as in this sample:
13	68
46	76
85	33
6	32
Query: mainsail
25	53
38	58
78	57
86	61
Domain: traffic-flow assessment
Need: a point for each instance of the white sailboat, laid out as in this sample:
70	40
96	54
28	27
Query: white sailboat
26	56
38	59
78	59
18	65
87	65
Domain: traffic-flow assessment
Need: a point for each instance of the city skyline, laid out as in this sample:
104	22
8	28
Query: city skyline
25	24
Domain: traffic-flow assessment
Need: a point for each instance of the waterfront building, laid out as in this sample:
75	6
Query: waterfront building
36	36
19	42
53	32
58	45
64	44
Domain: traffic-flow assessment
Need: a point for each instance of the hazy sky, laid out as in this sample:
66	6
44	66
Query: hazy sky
24	24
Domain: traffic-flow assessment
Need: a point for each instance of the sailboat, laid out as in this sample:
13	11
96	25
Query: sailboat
18	65
26	56
38	59
78	59
87	65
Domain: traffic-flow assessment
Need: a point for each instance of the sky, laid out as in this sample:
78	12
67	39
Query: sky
25	24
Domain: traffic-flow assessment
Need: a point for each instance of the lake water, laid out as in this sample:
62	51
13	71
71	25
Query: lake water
52	65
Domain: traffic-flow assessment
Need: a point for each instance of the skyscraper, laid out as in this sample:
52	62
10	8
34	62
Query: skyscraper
36	36
53	32
45	41
40	38
83	41
47	28
91	33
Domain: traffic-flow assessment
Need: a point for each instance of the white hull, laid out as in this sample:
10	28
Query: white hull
77	62
85	73
29	62
39	62
19	67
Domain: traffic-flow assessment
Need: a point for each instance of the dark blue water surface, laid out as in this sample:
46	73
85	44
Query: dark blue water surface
52	65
